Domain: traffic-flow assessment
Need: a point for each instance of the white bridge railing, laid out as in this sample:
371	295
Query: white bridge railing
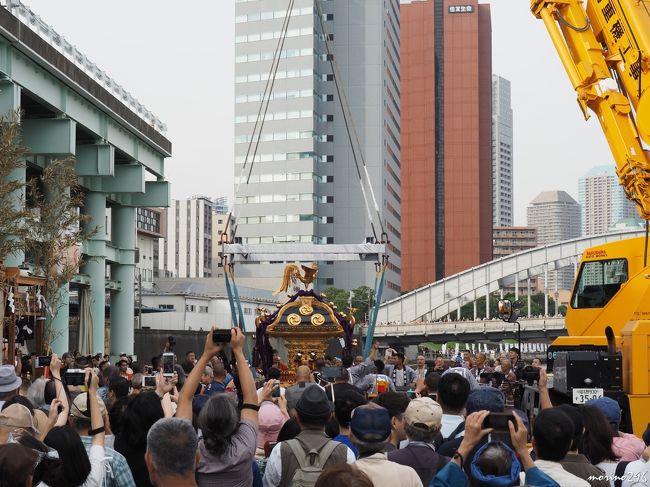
462	327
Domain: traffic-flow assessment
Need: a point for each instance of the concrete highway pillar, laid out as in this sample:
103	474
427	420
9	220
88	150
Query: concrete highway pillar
60	322
487	305
122	302
556	296
529	297
95	266
475	314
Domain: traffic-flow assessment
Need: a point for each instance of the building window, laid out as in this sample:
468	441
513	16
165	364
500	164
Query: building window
166	306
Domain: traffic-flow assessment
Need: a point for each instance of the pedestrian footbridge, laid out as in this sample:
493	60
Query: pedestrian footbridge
435	301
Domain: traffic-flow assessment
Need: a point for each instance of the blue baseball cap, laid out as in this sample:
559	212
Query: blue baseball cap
609	407
370	424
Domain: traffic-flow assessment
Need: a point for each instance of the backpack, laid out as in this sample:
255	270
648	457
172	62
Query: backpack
310	463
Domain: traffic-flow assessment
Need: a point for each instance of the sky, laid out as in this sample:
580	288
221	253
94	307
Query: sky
177	58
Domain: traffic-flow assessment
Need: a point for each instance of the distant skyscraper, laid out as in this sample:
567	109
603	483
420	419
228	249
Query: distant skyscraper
220	205
446	141
502	153
186	251
556	216
603	201
304	186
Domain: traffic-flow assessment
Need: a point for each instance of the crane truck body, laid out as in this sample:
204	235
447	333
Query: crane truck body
604	46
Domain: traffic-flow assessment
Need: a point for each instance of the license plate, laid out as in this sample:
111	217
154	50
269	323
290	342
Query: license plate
581	396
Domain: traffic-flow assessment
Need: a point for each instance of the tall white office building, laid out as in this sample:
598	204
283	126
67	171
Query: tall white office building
603	201
304	186
186	250
502	153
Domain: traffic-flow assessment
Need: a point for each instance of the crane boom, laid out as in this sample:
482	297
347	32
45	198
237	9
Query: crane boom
604	50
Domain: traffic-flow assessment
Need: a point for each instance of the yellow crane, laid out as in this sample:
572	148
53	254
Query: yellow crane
604	48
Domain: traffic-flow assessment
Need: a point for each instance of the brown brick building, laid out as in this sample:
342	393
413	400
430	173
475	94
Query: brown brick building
446	163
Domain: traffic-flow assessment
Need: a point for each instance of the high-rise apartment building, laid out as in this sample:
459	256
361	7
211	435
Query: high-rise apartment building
186	251
603	201
510	240
446	138
556	216
502	153
304	186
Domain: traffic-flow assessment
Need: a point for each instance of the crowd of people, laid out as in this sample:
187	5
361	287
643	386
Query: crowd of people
350	421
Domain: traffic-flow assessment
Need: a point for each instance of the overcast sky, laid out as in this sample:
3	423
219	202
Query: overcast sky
177	58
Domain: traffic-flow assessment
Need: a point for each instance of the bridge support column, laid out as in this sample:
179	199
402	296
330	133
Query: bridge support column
546	292
528	282
95	267
122	304
556	298
487	305
516	288
474	310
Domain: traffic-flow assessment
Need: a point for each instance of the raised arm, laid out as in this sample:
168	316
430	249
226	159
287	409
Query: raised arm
245	375
210	349
542	385
96	419
55	369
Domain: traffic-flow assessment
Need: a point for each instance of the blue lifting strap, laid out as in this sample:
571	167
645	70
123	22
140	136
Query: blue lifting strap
236	310
379	289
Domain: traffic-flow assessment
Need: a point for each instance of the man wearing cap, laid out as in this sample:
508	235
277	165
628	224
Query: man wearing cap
15	417
9	383
370	428
423	419
119	473
625	445
313	413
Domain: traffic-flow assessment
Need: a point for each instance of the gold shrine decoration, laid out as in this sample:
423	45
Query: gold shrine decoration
292	275
317	319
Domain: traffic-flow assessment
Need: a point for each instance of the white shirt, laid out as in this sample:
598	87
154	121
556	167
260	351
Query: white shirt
273	470
637	473
384	472
561	476
449	423
97	468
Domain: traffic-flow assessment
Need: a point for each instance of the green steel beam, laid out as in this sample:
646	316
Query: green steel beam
9	97
129	178
55	95
95	160
157	194
55	136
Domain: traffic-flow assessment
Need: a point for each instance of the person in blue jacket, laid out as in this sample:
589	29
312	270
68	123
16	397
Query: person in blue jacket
495	464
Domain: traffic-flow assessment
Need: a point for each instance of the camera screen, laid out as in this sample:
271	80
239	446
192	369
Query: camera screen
75	377
43	361
168	363
498	421
331	373
148	381
221	336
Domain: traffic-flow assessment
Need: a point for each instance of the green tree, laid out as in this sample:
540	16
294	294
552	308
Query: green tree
12	187
56	231
361	299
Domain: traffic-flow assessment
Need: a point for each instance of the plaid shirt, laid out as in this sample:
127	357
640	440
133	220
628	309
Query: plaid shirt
118	473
